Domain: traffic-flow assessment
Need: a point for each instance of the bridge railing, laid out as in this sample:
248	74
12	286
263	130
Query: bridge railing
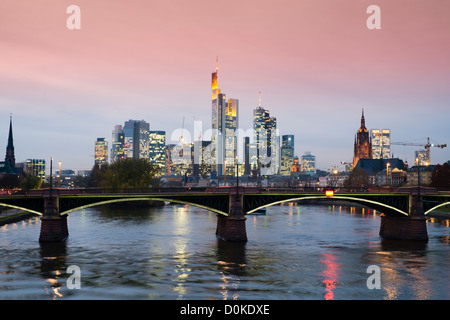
221	189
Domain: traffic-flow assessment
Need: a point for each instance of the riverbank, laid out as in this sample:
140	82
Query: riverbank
13	218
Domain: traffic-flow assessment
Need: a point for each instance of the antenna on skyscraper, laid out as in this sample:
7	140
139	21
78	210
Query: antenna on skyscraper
260	99
181	140
217	63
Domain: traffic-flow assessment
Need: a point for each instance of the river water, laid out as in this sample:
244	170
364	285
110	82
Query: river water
171	252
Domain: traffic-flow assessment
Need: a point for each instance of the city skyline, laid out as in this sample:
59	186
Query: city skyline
316	65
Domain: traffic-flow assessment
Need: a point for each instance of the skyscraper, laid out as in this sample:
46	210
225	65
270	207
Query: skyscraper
381	143
118	144
35	167
308	163
157	150
101	152
136	139
266	139
363	144
287	154
224	120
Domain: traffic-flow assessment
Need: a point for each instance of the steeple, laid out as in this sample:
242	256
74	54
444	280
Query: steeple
363	120
9	157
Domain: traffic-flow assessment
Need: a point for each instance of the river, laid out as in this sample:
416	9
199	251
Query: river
171	252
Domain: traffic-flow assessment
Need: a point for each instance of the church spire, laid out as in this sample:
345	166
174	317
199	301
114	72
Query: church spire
363	120
9	157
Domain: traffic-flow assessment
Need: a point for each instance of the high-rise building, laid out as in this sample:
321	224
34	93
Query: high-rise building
231	125
308	163
157	150
363	143
224	125
381	143
101	152
421	158
180	159
202	158
267	141
287	154
118	144
136	139
35	167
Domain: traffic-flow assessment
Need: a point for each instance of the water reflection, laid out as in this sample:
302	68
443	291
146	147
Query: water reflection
181	229
330	273
293	252
53	257
403	264
231	262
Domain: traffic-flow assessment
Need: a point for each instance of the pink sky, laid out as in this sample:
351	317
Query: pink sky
315	62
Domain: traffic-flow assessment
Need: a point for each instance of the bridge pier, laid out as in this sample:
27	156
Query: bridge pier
232	227
413	227
53	225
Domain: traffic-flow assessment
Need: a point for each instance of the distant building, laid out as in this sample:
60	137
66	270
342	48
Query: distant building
392	169
381	143
421	158
296	167
157	150
308	163
35	167
9	165
136	139
224	118
266	140
425	173
287	154
202	158
362	144
101	152
118	144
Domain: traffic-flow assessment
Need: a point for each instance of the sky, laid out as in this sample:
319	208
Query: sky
316	63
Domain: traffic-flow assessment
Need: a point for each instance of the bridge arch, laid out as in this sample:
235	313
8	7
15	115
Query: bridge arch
369	203
437	206
20	208
66	212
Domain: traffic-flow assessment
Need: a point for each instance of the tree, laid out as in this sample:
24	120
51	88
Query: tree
358	178
440	177
125	173
31	182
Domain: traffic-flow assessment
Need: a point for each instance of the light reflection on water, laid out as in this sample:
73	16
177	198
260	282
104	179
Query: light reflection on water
293	252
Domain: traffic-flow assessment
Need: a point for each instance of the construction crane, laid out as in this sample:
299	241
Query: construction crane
427	146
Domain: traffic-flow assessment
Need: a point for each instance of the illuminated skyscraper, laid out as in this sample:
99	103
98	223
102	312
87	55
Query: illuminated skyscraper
35	167
287	154
101	152
266	138
118	144
136	139
308	163
224	124
381	143
157	150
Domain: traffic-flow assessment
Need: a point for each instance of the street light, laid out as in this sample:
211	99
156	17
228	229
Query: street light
387	173
418	176
59	174
237	178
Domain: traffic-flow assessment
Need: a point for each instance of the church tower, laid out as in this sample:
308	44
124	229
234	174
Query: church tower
363	143
9	157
